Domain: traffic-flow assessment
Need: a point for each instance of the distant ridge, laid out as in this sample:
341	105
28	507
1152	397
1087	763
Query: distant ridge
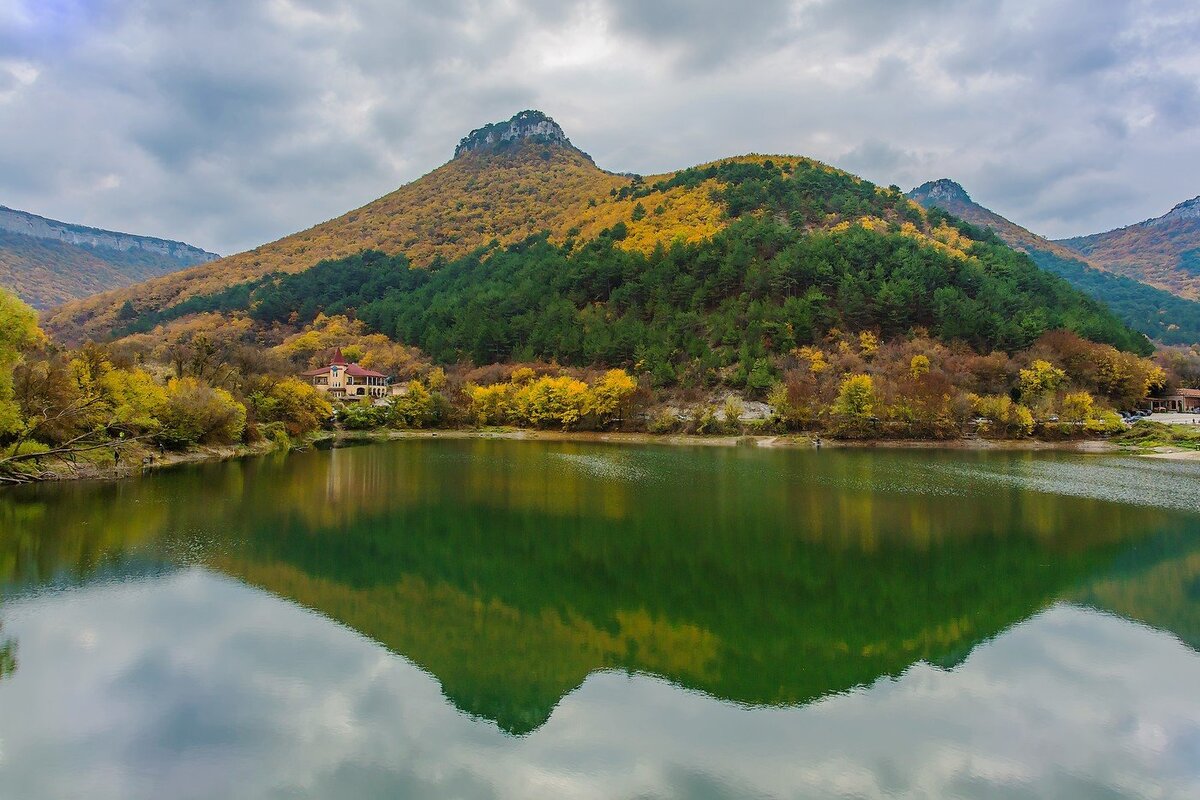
47	262
950	196
1163	251
1149	309
24	223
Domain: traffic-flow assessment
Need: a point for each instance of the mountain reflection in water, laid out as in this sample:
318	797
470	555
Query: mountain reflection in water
728	604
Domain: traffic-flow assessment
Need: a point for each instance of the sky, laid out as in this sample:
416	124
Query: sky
230	123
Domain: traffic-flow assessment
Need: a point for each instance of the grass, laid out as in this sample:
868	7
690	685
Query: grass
1147	435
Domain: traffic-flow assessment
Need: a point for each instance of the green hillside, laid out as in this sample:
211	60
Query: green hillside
805	249
1159	314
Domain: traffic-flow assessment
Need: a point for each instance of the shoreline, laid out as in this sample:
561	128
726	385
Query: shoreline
794	441
200	455
343	438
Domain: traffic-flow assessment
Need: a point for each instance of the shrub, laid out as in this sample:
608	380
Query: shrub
665	421
296	404
416	408
363	416
703	419
731	413
196	413
1107	422
275	432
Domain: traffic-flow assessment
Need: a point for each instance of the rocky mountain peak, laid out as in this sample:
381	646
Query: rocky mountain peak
533	126
940	192
1187	210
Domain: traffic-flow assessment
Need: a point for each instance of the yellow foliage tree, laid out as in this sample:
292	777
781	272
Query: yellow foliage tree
490	405
818	362
295	403
609	395
18	331
1002	416
1077	407
560	400
136	399
196	413
855	405
918	367
1039	379
868	344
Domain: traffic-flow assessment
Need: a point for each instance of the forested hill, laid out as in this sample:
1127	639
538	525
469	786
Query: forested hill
1159	314
47	262
798	249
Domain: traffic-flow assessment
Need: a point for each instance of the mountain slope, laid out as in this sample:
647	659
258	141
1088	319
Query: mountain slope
1163	252
528	250
1150	310
952	198
48	262
506	189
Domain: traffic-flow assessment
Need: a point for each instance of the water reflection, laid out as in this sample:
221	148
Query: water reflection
197	686
725	604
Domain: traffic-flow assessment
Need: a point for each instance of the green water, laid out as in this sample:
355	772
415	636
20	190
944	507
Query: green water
520	619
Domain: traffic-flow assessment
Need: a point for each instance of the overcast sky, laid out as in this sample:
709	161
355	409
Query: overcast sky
228	123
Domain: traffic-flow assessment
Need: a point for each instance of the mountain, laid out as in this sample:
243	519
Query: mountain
953	198
505	182
520	247
48	262
1163	252
1159	314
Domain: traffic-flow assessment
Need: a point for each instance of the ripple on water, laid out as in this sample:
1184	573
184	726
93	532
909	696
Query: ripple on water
1136	481
603	466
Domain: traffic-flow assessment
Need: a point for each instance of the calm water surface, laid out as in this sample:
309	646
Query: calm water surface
479	619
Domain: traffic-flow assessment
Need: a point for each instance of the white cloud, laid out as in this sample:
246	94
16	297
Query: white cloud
232	123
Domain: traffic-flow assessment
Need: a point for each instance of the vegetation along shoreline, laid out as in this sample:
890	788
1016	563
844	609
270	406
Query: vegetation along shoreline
766	299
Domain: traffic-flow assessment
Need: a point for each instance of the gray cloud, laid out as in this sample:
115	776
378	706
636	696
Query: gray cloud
228	123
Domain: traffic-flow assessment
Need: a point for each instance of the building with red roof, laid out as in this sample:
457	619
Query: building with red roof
1183	401
347	380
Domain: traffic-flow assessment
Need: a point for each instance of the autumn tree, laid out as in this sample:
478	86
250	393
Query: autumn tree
1002	416
608	397
854	408
18	331
296	404
196	413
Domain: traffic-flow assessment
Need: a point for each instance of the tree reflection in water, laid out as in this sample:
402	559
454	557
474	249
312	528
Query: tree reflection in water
512	570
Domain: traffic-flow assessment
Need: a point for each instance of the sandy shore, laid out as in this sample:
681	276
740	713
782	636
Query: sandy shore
1175	455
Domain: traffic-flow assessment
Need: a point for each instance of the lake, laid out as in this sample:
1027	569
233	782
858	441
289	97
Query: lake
504	619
